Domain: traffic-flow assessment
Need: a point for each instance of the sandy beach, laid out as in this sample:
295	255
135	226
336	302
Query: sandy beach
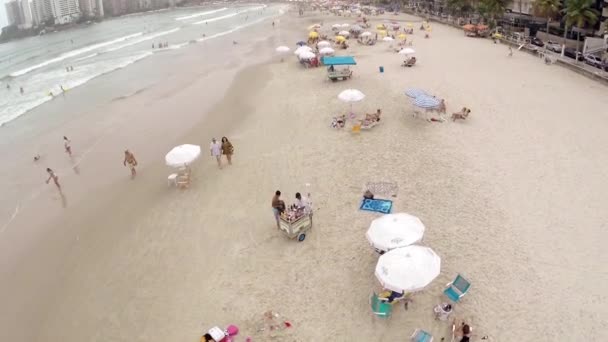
513	198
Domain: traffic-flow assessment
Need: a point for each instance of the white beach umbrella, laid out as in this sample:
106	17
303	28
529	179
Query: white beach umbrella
366	34
407	51
323	44
408	269
351	95
356	28
345	25
301	49
282	49
183	155
336	26
344	33
426	102
415	92
326	51
307	55
395	230
387	39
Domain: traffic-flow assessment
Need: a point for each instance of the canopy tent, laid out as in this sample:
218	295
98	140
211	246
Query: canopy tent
339	60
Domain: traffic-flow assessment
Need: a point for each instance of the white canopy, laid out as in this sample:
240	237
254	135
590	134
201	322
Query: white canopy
301	49
344	33
387	39
307	55
366	34
351	95
323	44
282	49
183	155
408	269
407	51
395	230
327	51
345	25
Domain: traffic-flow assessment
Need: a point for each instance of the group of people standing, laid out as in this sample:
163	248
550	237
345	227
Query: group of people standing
217	149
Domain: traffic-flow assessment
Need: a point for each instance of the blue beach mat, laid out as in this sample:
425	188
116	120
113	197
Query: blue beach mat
377	205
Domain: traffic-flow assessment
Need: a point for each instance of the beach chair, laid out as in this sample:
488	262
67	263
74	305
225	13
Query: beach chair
183	179
457	288
420	335
172	179
380	308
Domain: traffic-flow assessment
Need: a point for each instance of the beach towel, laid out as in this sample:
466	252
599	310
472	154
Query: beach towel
377	205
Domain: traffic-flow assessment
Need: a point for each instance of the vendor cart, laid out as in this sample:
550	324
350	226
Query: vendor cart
338	67
296	227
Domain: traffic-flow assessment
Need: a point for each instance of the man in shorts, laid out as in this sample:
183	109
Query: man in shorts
277	207
130	159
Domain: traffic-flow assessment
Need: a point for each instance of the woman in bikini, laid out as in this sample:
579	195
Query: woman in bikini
54	177
227	149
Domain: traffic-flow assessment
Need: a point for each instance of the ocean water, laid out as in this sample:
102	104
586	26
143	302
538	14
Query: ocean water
38	64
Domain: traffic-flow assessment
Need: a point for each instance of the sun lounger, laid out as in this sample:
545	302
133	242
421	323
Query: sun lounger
369	124
421	336
380	308
457	288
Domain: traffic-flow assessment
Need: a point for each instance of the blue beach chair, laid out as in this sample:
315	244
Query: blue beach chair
421	336
457	288
380	308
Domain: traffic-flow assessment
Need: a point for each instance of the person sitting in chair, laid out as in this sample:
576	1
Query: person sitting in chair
371	119
393	297
339	121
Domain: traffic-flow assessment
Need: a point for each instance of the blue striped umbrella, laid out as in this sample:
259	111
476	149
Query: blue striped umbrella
415	92
426	102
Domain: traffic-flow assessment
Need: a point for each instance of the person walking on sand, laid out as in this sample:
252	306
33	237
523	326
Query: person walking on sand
54	177
130	159
227	149
510	51
216	151
278	206
68	147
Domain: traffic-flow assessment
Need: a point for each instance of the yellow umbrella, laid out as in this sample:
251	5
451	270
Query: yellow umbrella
410	25
340	39
402	36
380	27
497	35
313	34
